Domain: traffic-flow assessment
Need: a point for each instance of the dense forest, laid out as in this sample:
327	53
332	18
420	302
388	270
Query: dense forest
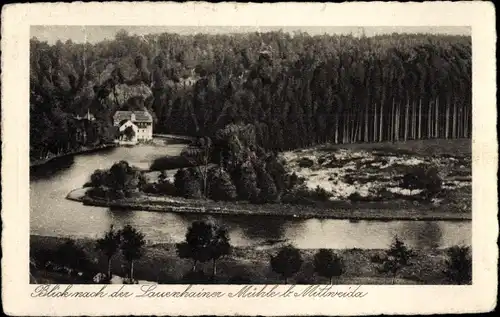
295	90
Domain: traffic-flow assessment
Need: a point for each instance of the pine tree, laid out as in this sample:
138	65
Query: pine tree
220	185
246	182
267	189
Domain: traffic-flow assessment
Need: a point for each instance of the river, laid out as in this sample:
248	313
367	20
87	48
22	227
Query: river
51	214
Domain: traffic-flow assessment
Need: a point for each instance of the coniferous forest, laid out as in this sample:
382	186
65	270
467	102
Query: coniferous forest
296	90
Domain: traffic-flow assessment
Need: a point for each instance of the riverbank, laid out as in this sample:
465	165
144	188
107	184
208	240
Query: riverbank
245	265
83	150
344	210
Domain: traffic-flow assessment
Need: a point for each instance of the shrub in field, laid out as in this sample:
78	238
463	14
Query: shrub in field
98	178
397	257
72	256
151	189
328	264
163	186
245	180
321	194
459	265
287	262
305	162
268	193
276	169
187	183
305	196
170	162
166	188
220	185
108	193
97	192
425	178
293	180
356	197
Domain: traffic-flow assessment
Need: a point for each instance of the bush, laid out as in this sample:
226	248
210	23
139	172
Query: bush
220	185
268	191
98	178
349	179
420	177
170	162
302	195
321	194
459	265
116	194
287	262
150	189
396	258
293	180
245	180
188	183
166	188
121	176
328	264
72	256
356	197
305	162
97	192
277	170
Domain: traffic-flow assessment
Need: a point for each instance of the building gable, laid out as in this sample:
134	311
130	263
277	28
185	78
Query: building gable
127	124
134	116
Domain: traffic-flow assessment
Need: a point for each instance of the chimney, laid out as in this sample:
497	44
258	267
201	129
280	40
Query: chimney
132	117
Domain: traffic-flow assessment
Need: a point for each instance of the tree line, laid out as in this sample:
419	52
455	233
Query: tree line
295	90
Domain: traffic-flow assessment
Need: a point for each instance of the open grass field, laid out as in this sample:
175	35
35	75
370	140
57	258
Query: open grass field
373	172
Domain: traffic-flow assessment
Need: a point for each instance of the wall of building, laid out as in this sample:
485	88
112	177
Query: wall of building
134	127
145	131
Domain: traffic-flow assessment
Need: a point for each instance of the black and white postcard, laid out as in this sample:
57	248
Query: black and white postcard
248	159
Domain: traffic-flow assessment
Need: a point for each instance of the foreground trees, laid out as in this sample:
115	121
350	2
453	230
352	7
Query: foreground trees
287	262
132	246
328	264
209	242
109	245
395	259
459	265
205	241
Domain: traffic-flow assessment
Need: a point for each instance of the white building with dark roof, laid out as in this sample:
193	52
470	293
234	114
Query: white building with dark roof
140	122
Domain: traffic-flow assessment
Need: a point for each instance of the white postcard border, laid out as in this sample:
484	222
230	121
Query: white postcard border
16	22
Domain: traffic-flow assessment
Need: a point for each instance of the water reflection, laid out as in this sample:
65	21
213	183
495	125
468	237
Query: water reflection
422	234
51	168
271	228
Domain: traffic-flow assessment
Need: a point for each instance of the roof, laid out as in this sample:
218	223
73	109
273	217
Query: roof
140	116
